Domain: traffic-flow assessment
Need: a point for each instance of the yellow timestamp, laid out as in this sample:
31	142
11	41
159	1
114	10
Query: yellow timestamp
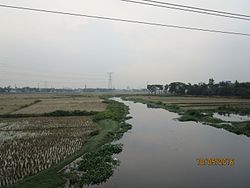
215	162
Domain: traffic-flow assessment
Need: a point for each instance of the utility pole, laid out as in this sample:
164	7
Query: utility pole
110	74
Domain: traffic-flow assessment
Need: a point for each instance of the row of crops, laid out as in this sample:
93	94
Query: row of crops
39	148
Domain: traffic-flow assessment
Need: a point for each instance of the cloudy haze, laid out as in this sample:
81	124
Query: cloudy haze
67	51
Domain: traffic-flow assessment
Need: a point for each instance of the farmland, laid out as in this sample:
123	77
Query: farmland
32	144
44	103
40	134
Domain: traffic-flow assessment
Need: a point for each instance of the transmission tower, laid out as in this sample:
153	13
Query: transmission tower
110	74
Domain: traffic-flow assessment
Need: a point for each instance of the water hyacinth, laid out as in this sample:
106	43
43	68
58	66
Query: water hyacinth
95	167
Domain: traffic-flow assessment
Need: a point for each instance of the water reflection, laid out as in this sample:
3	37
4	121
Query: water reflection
161	152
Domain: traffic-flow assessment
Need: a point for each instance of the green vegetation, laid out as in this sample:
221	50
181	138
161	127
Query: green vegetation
239	128
198	116
57	113
97	165
206	117
115	111
227	109
158	104
223	88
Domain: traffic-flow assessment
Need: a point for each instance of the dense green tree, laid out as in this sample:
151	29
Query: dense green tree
223	88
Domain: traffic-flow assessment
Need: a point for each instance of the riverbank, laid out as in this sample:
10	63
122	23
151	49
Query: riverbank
111	125
203	115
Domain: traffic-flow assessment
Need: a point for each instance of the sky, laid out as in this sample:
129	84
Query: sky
38	49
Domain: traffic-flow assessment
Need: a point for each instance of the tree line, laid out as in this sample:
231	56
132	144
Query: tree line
223	88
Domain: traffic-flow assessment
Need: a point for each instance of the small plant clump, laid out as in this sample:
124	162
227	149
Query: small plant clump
97	166
227	109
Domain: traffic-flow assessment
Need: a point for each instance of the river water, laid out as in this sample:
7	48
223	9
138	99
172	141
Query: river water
161	152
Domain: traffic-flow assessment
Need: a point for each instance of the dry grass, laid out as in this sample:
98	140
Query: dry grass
66	104
11	103
186	103
30	145
21	103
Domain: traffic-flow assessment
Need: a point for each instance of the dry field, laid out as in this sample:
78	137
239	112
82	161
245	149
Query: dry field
66	104
11	103
30	145
44	103
186	103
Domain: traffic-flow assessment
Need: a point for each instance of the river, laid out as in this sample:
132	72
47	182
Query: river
161	152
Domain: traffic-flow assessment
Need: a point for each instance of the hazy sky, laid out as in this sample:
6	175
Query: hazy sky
73	51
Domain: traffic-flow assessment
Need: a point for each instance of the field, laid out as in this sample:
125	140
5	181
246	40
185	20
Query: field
32	144
45	103
199	103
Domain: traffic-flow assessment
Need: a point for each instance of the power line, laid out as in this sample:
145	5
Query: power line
198	8
125	20
185	9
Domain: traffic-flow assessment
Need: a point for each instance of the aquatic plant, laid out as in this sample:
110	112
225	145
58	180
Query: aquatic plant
96	166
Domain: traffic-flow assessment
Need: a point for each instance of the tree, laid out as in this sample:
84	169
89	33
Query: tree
154	88
211	82
166	88
178	88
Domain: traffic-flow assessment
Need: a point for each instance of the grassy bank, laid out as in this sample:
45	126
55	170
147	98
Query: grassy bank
227	109
204	116
98	165
57	113
111	124
156	104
